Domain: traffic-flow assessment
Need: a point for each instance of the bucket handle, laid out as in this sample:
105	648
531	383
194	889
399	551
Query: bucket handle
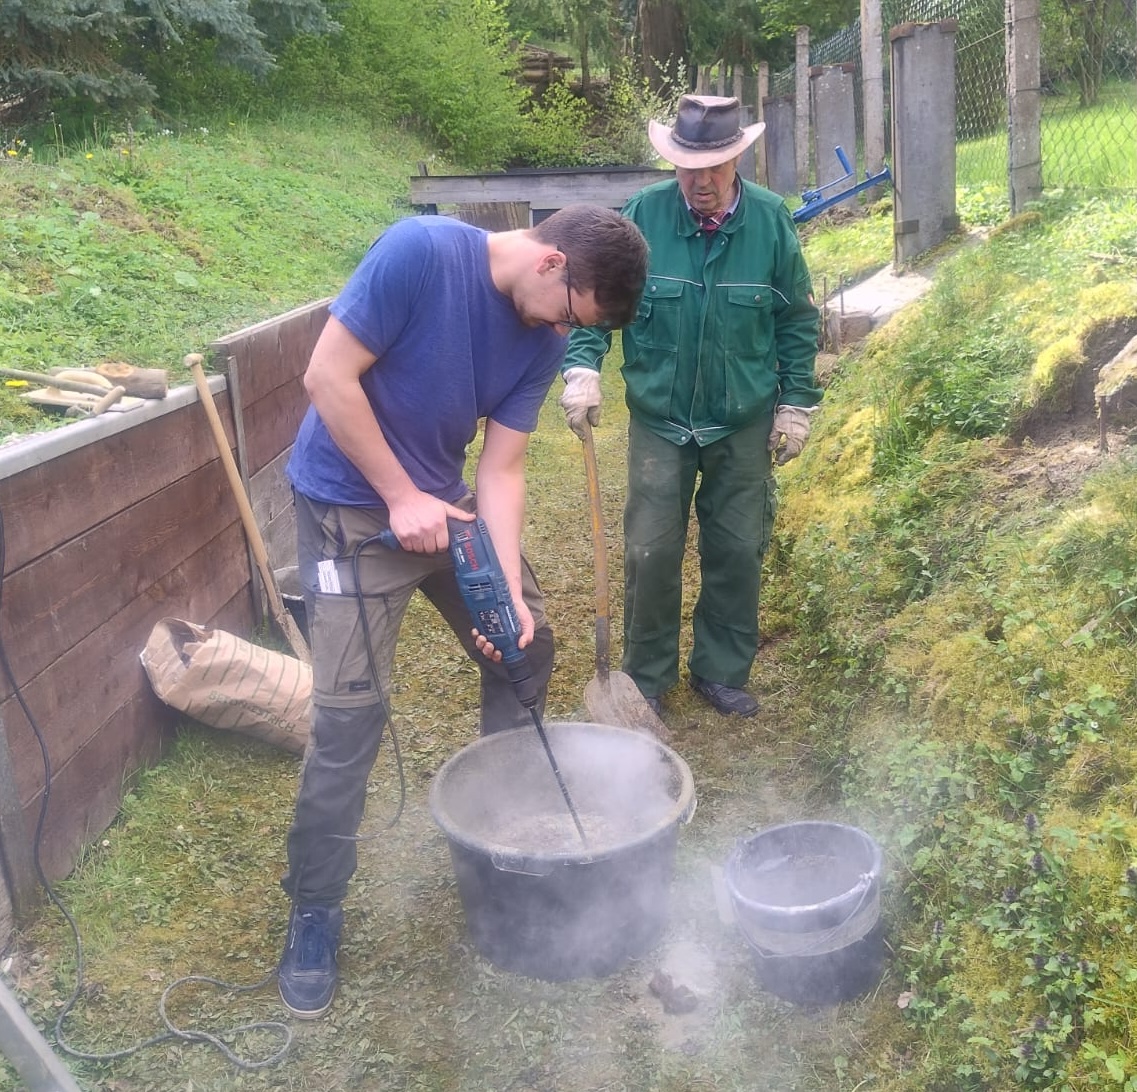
865	883
533	866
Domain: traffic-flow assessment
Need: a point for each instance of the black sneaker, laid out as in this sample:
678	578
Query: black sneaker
307	974
727	700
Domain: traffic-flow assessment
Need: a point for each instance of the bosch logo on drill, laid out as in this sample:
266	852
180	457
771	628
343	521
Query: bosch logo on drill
465	551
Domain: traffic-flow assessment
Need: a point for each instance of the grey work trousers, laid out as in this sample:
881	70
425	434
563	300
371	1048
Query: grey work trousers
735	503
351	682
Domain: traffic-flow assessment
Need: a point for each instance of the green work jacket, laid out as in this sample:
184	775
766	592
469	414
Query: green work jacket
724	332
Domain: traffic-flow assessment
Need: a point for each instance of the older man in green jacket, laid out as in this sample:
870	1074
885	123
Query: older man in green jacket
719	381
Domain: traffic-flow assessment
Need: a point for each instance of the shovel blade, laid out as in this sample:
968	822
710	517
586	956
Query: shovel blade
618	701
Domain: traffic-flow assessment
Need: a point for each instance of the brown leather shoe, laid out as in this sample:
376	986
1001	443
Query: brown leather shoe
730	701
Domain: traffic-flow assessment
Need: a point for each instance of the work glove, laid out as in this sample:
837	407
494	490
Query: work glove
790	432
581	398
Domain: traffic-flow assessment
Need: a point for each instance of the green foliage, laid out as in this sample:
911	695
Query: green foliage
966	367
445	69
78	52
64	50
960	373
971	636
630	103
562	130
1013	884
536	19
556	129
745	33
1085	44
845	252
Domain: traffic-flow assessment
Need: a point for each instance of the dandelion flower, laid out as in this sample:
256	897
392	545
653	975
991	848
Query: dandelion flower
90	155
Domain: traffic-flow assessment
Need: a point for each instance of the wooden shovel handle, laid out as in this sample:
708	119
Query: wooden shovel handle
283	619
599	556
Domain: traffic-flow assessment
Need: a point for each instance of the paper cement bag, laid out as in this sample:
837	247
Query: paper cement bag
226	682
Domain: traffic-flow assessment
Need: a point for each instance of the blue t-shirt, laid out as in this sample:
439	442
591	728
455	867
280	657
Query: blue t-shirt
450	349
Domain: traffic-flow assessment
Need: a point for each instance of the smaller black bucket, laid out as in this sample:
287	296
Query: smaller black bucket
806	897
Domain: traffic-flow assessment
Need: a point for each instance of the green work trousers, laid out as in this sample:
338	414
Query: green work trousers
735	501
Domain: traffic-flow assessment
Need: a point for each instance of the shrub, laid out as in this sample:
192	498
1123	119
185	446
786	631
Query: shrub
556	129
562	130
445	69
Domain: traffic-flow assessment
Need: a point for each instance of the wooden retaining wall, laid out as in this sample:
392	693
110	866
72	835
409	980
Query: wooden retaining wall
109	525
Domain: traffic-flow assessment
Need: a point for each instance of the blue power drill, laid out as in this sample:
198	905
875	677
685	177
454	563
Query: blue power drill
486	595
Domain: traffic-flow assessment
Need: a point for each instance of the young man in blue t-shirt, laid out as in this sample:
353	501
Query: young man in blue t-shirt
442	324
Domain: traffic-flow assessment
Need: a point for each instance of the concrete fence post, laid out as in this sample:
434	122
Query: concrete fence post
748	161
1024	102
801	107
834	123
781	159
760	146
872	84
923	136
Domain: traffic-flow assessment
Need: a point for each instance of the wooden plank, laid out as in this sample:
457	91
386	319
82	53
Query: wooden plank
507	216
270	494
18	864
280	540
8	892
54	501
230	340
78	692
272	354
610	187
86	790
270	491
66	594
271	425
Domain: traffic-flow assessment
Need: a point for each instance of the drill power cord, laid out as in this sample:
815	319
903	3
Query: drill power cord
172	1031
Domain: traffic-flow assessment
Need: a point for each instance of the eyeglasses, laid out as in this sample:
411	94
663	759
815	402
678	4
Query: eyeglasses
570	319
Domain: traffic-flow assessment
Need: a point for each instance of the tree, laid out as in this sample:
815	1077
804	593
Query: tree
61	48
664	49
54	50
1078	39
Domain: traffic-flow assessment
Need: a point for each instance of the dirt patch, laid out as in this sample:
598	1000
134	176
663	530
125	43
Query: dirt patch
1055	449
110	208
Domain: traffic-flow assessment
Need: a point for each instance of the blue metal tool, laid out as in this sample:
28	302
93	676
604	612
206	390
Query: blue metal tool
815	201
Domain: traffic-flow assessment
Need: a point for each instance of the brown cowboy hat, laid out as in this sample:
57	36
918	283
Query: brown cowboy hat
706	132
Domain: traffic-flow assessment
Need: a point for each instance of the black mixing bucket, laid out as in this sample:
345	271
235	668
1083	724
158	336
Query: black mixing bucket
536	900
806	897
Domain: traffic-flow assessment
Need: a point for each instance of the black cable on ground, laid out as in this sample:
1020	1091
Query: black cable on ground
172	1031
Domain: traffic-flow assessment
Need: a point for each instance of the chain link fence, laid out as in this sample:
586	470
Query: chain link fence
1088	78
